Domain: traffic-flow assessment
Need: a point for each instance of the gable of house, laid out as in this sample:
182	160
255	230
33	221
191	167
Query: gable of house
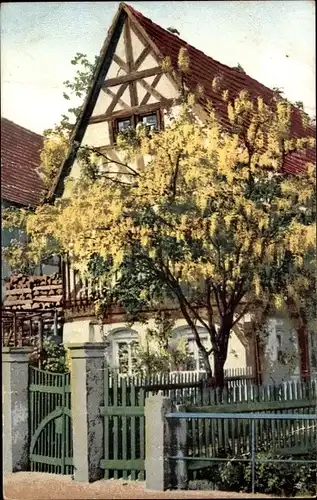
129	80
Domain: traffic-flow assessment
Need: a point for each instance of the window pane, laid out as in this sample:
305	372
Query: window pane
123	355
134	355
191	345
124	125
201	362
191	364
150	121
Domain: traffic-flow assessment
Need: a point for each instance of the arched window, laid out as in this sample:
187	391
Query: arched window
122	343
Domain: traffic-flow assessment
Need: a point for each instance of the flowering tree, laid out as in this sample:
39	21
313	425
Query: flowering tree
210	221
20	253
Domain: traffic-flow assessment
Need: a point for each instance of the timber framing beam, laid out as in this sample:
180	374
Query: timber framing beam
121	63
117	100
142	57
147	108
130	61
132	77
151	89
149	94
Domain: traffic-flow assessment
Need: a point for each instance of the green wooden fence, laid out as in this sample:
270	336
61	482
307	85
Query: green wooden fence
231	438
124	428
51	445
124	422
220	437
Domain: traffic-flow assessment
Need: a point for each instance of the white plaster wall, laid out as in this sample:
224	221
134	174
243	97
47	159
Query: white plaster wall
125	98
84	331
137	45
140	91
166	88
96	135
81	331
103	102
114	71
148	63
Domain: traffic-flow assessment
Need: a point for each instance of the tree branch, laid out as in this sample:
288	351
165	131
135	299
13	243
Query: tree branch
110	160
244	311
173	182
165	274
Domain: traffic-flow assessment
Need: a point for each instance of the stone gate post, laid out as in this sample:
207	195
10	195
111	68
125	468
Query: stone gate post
157	443
15	408
87	382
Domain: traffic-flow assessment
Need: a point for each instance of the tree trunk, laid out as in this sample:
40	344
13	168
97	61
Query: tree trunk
221	350
207	367
219	363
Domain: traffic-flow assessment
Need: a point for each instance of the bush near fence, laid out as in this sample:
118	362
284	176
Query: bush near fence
285	479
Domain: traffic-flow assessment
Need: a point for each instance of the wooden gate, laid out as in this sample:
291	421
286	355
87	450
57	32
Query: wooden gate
51	444
124	421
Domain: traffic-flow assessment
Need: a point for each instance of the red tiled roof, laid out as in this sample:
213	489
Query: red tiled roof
203	69
20	159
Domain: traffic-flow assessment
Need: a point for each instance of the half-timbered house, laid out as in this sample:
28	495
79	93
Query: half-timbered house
131	86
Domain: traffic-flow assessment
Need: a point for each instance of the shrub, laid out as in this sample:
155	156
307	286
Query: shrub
287	479
50	356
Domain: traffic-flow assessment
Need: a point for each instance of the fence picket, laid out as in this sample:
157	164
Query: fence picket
133	435
124	441
142	434
106	420
115	383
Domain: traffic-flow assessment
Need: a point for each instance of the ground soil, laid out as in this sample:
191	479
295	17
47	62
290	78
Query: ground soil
40	486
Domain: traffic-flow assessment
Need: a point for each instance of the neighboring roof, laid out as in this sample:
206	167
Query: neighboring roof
20	160
203	70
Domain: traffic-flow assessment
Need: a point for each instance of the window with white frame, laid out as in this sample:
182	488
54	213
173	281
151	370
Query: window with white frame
196	362
123	343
